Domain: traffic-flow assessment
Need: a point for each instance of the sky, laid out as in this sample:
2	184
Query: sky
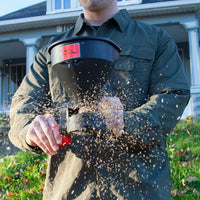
8	6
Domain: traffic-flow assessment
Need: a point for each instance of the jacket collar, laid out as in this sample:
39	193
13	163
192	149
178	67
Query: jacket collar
121	18
79	24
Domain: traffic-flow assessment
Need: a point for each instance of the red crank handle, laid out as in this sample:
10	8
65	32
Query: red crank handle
65	141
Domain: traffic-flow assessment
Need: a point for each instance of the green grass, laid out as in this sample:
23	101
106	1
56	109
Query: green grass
184	154
22	176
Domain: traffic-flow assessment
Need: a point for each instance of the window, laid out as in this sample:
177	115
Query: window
67	4
58	4
11	76
64	4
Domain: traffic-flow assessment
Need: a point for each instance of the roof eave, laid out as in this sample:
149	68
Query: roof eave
164	8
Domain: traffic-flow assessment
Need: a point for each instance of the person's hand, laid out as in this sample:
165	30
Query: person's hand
44	133
112	109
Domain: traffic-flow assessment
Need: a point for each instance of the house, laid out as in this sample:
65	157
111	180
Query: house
23	32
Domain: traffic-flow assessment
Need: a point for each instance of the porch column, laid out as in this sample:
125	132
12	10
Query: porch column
193	28
31	50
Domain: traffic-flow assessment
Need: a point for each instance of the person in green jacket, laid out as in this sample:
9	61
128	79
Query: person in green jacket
149	94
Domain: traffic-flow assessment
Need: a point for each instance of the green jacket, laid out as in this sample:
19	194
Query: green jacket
149	80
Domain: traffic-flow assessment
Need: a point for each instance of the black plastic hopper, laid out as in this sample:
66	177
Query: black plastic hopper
83	64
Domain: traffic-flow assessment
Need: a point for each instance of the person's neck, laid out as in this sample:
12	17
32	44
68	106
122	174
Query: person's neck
98	18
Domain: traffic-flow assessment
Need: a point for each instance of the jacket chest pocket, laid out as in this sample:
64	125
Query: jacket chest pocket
130	76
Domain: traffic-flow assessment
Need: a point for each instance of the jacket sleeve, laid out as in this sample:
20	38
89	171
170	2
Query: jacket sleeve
30	100
148	125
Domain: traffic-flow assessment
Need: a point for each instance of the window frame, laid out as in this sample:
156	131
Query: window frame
76	5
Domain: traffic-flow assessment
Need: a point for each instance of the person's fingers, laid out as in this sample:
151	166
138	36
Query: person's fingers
54	127
115	124
42	132
32	138
117	132
49	134
110	103
112	110
29	138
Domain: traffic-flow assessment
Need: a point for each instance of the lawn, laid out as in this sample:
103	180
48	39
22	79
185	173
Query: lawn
184	154
22	175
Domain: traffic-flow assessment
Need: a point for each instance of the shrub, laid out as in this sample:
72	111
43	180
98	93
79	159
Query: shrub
4	124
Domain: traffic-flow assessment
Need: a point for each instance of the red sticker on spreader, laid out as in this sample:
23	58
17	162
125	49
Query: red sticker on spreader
70	51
